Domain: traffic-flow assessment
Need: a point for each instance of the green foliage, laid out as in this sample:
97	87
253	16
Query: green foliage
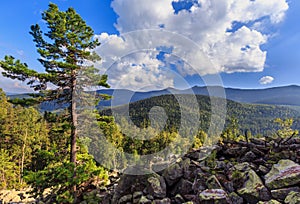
211	160
58	176
65	53
199	139
23	132
254	118
8	171
232	131
242	121
285	128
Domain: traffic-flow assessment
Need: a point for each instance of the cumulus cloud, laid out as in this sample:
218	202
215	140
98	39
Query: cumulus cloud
209	36
13	86
266	80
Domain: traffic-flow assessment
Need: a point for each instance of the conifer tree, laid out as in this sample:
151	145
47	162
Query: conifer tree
65	53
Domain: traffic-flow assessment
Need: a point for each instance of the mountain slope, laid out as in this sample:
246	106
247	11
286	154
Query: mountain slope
256	118
286	95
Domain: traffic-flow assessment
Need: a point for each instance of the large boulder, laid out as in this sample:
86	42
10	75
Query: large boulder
173	174
292	198
183	187
254	189
144	200
125	199
283	174
217	196
157	187
235	198
280	194
150	183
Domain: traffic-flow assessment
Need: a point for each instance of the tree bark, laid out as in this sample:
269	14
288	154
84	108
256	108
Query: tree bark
73	133
23	156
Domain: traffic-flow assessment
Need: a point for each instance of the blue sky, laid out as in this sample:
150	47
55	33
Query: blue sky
251	44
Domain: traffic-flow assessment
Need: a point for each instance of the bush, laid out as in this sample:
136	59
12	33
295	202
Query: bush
58	177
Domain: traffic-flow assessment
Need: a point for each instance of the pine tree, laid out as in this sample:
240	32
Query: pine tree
65	52
8	175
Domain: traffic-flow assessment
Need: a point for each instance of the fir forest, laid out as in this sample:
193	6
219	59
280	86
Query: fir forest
73	137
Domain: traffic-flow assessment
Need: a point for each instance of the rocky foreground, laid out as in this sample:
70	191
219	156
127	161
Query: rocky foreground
235	172
259	171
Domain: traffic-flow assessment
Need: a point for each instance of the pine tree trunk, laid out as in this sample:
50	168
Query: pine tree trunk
23	156
73	134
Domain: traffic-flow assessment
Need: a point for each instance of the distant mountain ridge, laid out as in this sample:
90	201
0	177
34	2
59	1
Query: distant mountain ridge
285	95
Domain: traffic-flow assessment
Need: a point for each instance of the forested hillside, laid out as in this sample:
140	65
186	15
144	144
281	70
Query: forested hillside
259	119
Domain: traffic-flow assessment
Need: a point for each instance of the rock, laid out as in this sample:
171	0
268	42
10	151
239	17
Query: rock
235	198
253	189
144	200
163	201
213	196
283	174
128	184
157	187
257	152
195	155
137	196
189	197
263	169
150	197
173	174
280	194
269	202
235	151
178	199
204	167
125	199
259	161
242	167
192	171
183	187
159	166
292	198
203	153
204	178
228	185
258	141
185	164
237	174
221	165
199	183
248	157
213	183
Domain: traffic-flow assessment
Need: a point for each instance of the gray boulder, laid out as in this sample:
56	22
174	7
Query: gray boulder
283	174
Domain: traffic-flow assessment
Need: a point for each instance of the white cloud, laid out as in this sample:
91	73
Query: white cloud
139	71
13	86
203	36
266	80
